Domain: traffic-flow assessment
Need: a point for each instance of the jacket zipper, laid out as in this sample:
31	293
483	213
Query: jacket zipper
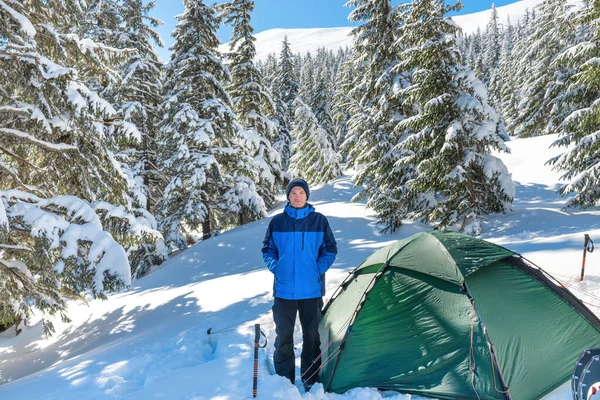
302	241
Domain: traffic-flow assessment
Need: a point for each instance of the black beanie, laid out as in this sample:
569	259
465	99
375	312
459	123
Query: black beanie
297	182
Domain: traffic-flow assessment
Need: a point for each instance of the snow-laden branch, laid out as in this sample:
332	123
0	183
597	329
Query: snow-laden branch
48	145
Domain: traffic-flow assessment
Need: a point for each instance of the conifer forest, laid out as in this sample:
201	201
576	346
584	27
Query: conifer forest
111	158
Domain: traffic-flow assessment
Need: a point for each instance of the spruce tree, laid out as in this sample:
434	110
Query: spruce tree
134	95
474	48
454	129
313	155
199	135
285	92
138	96
321	105
252	103
57	231
550	34
578	132
307	80
376	111
491	55
520	65
507	96
268	70
345	82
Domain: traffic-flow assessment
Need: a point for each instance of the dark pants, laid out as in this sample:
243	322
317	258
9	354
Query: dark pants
284	315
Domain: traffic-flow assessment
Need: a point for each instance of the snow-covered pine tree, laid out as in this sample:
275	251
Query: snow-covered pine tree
345	81
286	89
297	61
551	32
491	59
478	64
491	53
458	181
44	104
200	138
307	80
376	110
53	250
321	105
102	22
119	24
253	104
268	70
313	155
55	166
474	50
519	65
138	96
578	132
507	95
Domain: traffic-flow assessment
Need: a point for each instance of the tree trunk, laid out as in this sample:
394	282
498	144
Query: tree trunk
206	229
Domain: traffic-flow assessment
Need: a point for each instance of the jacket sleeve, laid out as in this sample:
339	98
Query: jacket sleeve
327	250
269	250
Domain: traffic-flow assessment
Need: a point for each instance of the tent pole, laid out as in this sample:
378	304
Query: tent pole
353	319
495	364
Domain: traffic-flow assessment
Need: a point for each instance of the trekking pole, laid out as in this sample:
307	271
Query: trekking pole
256	340
257	333
588	245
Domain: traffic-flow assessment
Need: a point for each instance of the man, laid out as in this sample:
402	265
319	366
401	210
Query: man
298	248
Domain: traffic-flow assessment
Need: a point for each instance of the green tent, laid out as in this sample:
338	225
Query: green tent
449	316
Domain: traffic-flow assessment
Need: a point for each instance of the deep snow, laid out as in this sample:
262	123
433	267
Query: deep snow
151	341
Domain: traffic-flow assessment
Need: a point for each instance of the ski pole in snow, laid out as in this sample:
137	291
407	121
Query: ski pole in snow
588	245
256	339
257	333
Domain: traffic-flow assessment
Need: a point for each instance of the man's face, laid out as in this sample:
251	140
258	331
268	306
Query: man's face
297	197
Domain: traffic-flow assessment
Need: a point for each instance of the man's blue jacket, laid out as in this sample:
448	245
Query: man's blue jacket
298	248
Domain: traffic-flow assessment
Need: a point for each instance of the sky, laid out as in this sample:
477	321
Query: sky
269	14
152	341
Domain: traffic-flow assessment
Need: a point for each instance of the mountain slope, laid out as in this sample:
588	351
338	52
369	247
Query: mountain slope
310	39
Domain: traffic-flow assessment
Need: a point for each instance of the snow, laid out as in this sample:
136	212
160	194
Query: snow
3	217
20	265
28	137
26	25
515	11
151	341
301	40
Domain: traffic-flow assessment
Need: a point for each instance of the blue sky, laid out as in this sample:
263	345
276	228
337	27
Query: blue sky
270	14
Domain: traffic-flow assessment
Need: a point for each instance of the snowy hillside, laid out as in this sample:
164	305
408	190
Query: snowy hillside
305	40
301	40
151	341
470	22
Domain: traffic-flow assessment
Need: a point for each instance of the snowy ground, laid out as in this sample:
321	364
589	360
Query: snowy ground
151	341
